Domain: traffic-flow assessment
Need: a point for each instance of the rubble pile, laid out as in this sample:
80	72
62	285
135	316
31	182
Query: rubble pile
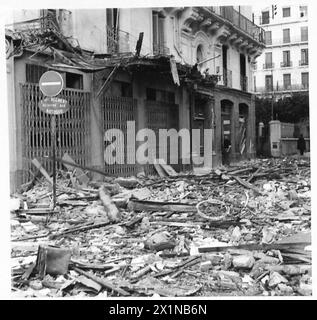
240	230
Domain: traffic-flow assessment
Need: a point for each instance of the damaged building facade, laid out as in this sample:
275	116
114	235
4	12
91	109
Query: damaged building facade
164	68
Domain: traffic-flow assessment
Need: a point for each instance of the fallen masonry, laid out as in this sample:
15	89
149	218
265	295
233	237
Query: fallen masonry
242	230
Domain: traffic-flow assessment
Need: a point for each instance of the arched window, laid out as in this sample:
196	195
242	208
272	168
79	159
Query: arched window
200	57
199	54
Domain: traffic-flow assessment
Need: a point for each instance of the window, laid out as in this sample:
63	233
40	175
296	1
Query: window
199	55
269	82
304	33
74	80
286	12
268	60
286	35
158	32
304	57
286	59
305	80
265	17
34	72
112	24
287	81
268	37
302	11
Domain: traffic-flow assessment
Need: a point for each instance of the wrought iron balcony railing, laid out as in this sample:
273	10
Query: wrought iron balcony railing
240	21
303	63
160	49
292	39
277	88
268	65
286	64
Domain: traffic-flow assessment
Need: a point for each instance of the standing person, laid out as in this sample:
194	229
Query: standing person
301	144
226	151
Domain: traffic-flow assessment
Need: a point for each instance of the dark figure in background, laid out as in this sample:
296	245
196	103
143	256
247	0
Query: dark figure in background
226	151
301	144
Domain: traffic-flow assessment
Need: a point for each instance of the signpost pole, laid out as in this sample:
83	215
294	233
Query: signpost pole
51	84
53	131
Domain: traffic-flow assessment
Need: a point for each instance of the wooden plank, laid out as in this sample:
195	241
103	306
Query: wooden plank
80	174
174	71
138	205
167	168
42	170
106	284
159	169
251	247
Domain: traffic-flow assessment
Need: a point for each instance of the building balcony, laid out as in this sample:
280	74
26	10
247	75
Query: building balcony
228	25
118	41
243	83
288	41
303	63
159	49
286	64
268	65
282	89
44	23
242	22
227	77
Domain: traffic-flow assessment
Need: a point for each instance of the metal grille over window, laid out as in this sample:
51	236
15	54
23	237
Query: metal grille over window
72	128
116	112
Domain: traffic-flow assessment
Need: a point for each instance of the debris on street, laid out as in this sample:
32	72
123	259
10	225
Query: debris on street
242	230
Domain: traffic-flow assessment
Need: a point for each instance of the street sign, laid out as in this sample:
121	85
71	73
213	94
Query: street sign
53	105
51	83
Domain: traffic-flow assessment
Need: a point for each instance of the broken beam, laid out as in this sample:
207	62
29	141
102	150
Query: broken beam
273	246
102	282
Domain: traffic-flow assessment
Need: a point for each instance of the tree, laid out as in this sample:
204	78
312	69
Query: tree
293	109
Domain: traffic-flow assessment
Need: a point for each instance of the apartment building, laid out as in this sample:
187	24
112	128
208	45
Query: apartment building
177	67
283	67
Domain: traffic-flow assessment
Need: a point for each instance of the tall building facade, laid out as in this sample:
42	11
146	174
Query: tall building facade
283	67
165	68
